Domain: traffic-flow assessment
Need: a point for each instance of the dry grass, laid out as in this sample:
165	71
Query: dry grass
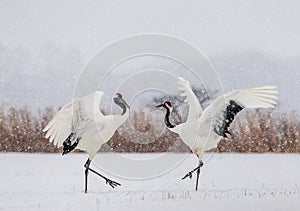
21	131
262	131
254	131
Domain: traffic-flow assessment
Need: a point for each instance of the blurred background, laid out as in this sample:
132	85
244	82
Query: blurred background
44	45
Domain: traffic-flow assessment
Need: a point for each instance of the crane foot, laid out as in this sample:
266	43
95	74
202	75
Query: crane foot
190	174
113	184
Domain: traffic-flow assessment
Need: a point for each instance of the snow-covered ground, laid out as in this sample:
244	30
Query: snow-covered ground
228	182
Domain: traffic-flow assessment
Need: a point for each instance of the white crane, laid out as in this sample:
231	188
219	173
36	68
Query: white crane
80	124
203	130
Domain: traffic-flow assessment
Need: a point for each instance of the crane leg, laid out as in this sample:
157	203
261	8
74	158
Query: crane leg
198	173
190	174
112	183
86	165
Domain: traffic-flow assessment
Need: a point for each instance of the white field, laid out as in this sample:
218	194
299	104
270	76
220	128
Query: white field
227	182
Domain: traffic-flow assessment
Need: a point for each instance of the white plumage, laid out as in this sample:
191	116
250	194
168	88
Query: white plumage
80	124
204	129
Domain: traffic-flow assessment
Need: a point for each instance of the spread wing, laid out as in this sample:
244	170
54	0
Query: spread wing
223	110
75	115
195	109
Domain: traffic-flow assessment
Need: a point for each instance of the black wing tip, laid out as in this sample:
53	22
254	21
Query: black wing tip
227	135
229	114
68	146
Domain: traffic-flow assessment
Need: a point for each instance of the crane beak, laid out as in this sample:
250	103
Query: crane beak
160	105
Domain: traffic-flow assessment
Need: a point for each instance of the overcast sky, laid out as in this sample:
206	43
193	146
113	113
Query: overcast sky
45	44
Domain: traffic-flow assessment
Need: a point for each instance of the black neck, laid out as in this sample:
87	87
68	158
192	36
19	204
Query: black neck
124	108
167	120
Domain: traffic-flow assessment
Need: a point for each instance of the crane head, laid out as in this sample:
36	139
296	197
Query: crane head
167	105
118	95
118	99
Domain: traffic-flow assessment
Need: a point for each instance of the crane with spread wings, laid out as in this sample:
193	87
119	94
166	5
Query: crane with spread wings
204	129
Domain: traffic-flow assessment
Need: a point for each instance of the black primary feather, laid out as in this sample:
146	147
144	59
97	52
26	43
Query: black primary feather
70	143
222	125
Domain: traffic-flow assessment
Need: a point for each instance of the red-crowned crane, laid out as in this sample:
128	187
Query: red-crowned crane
81	125
204	129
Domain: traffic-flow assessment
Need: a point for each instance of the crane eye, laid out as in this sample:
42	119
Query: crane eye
118	95
168	103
